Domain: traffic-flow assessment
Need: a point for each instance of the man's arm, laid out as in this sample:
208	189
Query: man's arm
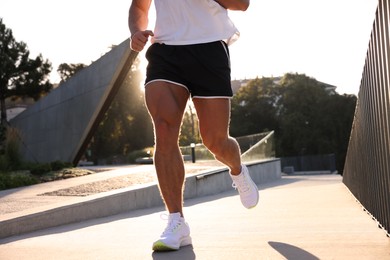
240	5
138	22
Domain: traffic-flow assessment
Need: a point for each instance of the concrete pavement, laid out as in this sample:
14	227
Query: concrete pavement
125	189
298	217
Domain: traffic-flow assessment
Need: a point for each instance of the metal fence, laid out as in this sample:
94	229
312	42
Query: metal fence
367	166
253	147
309	163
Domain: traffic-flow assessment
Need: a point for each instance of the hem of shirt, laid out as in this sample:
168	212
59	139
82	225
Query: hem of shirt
229	40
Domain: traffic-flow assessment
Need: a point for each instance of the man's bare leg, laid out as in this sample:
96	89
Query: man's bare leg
214	119
166	103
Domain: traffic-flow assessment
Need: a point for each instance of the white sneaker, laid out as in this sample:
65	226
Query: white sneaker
247	189
175	235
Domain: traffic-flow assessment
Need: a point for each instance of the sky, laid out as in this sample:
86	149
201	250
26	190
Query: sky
324	39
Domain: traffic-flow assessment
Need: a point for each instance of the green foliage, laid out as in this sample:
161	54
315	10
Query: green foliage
10	158
126	125
15	180
189	129
31	173
3	134
307	118
12	143
40	169
301	116
66	71
20	76
59	165
26	173
253	108
4	165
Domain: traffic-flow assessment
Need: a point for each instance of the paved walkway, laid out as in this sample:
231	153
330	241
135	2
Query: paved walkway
299	217
28	200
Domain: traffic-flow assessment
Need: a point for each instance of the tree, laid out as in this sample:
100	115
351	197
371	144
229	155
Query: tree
189	129
20	76
307	119
68	70
33	82
300	116
339	111
253	108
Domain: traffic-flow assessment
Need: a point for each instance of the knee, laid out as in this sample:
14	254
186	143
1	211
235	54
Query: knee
165	133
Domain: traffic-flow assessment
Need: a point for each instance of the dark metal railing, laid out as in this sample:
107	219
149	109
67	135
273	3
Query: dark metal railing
367	166
310	163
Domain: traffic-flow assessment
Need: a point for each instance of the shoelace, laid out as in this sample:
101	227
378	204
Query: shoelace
172	224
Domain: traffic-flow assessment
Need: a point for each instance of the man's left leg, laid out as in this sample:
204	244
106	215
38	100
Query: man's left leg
214	119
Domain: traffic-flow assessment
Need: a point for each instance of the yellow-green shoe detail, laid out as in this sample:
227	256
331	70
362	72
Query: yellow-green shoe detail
175	235
160	246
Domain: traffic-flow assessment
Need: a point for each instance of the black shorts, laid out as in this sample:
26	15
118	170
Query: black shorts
203	69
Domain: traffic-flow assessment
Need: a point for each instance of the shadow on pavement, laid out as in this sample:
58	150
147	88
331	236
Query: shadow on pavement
292	252
82	224
185	253
137	213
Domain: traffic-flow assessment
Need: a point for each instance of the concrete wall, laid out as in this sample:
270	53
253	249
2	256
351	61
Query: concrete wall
216	182
57	126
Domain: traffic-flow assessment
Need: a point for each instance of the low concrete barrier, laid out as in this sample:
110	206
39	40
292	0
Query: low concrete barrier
124	200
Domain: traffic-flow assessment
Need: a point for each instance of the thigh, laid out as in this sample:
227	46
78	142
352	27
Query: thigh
214	116
166	102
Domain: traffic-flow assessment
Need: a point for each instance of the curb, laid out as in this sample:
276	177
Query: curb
124	200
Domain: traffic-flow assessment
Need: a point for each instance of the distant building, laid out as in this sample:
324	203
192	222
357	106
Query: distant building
237	84
14	111
329	88
15	107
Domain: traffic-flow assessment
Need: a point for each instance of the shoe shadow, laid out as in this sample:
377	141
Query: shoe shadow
185	253
292	252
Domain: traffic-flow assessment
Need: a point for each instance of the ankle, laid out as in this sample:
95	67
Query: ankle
236	171
177	213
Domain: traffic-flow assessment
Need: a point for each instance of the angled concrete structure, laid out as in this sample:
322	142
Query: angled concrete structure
60	126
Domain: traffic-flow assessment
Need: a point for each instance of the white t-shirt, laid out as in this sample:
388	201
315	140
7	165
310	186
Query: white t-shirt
182	22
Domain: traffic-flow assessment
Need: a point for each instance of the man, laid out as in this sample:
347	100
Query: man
189	57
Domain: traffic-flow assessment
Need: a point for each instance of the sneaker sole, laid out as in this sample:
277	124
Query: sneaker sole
161	246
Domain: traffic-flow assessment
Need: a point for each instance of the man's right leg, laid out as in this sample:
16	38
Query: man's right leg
166	103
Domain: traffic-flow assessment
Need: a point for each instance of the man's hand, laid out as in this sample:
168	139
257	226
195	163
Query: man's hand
139	39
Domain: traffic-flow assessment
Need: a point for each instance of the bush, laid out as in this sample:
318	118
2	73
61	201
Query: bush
15	180
3	133
12	142
40	169
10	158
59	165
4	165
